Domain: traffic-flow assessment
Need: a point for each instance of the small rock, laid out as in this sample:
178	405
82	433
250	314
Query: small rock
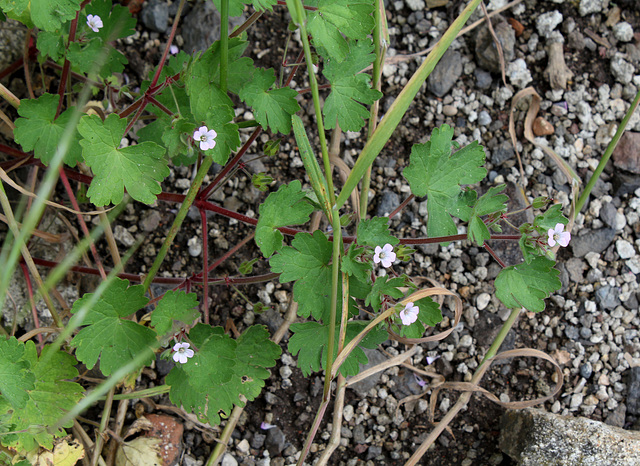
446	73
590	6
575	267
275	441
592	241
150	221
155	15
572	332
484	119
502	153
621	69
542	127
415	5
623	31
608	297
483	78
195	246
627	154
625	249
486	52
347	413
257	441
482	301
449	110
243	446
535	437
547	22
518	73
363	386
228	460
633	396
586	370
389	200
122	236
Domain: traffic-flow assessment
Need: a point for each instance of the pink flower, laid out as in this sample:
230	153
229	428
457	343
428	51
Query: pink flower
182	352
385	255
558	235
94	22
206	137
173	49
409	314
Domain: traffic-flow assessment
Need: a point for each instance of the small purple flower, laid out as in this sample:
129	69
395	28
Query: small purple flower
173	49
385	255
432	359
558	235
409	314
182	352
94	22
419	380
266	426
206	137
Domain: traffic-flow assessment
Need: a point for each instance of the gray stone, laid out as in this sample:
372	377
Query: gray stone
535	437
201	26
590	6
621	69
363	386
122	236
623	31
518	73
445	74
257	441
608	214
359	435
502	153
150	221
586	370
485	48
607	297
633	396
228	460
483	78
155	15
484	118
592	241
547	22
575	267
572	332
389	200
415	5
617	417
275	441
625	249
373	452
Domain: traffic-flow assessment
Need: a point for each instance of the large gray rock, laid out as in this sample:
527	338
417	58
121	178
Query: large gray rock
593	240
486	51
201	26
445	74
534	437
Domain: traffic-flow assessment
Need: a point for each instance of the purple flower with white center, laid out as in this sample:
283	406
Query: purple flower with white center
409	314
206	137
94	22
182	352
385	255
558	235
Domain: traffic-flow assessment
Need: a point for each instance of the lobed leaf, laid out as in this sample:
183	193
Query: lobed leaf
375	232
221	371
139	168
528	284
490	203
174	306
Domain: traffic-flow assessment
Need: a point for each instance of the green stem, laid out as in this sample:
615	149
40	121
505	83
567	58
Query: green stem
182	214
335	280
401	104
373	114
296	10
502	334
224	44
607	155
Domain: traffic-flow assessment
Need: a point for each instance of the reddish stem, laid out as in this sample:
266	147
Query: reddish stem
83	225
401	206
64	76
205	270
494	255
32	301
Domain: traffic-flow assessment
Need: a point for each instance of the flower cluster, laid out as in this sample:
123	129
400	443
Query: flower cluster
206	137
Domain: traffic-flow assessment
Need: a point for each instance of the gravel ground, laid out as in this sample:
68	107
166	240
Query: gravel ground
590	326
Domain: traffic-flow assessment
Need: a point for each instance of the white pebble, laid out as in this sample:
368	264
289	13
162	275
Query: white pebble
625	249
482	301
